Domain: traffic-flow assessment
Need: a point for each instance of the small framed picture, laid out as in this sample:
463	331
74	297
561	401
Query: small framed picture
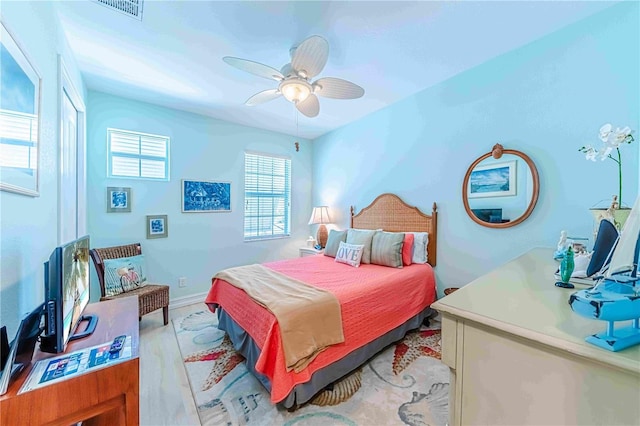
157	226
203	196
118	200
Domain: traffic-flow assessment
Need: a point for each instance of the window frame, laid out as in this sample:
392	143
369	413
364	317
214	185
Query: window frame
138	156
286	196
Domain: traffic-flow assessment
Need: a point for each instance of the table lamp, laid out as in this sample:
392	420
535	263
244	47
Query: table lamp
320	216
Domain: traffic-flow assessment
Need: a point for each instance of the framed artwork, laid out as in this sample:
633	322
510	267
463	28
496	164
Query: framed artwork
157	226
118	200
201	196
20	117
493	180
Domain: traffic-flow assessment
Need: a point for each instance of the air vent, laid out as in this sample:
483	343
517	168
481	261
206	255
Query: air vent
132	8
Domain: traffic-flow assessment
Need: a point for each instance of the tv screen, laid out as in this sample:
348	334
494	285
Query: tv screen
66	295
488	215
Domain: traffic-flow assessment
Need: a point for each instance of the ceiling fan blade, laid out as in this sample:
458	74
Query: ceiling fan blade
262	97
310	106
255	68
310	57
337	88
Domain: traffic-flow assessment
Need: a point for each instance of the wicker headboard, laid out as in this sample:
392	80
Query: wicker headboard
389	213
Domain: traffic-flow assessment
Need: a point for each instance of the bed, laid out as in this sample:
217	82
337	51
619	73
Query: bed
379	306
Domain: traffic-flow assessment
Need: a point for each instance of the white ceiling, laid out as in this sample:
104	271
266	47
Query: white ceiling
173	57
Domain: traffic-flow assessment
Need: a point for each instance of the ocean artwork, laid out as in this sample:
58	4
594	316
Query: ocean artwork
494	180
205	196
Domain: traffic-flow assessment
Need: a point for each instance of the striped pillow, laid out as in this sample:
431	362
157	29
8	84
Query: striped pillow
420	241
333	242
386	249
364	237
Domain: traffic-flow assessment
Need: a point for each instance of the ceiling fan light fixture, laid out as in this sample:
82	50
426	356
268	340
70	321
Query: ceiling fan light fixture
295	90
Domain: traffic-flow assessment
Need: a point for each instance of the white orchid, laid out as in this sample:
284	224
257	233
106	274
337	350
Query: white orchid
590	152
605	131
612	139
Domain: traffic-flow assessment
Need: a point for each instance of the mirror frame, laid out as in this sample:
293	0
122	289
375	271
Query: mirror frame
497	152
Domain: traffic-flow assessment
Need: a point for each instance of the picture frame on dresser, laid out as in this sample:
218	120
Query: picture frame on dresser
20	89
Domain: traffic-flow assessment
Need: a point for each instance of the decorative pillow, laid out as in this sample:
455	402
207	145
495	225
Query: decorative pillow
407	249
351	254
420	241
386	249
333	242
123	274
364	237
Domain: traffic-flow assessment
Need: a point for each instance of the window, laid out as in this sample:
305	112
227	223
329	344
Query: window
137	155
267	194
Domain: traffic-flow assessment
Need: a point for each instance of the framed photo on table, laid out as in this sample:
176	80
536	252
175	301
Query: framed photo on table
19	117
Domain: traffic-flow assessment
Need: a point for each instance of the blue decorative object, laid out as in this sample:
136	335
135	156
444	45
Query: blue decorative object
205	196
616	296
566	269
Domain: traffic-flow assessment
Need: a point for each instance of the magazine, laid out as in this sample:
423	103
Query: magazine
65	366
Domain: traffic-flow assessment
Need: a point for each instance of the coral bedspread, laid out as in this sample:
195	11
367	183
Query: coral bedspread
374	299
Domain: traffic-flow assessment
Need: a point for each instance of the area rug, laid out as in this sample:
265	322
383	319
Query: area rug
405	384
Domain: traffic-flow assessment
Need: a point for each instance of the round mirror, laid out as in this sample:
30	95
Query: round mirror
500	188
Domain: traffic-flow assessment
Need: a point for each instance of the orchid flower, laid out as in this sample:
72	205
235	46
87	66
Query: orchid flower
611	139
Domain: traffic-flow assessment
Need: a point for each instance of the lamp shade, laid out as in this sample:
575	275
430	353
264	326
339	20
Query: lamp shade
320	215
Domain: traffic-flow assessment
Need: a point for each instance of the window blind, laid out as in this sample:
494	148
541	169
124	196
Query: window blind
267	193
18	140
137	155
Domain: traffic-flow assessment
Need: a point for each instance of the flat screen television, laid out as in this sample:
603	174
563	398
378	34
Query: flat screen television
66	289
489	215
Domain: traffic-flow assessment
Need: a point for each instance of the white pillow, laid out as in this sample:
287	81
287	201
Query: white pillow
420	241
351	254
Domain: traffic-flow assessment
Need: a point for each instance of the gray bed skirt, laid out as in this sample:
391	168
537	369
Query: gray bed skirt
303	392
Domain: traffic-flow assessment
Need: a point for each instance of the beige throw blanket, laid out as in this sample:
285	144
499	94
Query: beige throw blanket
310	319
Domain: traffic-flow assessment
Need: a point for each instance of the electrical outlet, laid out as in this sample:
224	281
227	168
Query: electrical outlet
182	282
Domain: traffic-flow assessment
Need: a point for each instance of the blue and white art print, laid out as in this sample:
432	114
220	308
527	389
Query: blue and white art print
157	226
200	196
19	114
118	200
493	180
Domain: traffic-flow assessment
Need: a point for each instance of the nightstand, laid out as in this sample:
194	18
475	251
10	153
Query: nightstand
309	251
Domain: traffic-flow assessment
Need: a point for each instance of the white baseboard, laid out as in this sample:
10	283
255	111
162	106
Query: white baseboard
187	300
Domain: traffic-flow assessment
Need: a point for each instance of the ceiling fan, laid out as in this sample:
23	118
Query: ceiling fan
307	61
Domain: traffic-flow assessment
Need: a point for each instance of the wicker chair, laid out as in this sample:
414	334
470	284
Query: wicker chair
150	296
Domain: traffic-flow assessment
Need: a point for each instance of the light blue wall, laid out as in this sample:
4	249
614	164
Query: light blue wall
199	244
546	99
28	225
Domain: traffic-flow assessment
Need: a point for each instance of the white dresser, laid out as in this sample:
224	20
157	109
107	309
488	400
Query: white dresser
517	354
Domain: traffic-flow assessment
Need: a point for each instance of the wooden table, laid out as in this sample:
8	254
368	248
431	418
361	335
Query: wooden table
517	354
103	396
